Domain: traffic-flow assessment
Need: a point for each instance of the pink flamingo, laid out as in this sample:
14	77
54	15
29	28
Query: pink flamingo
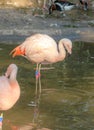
9	88
42	49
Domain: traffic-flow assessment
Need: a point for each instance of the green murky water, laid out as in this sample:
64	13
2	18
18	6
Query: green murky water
67	99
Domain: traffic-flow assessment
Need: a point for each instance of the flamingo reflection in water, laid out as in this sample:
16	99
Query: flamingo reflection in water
42	49
29	126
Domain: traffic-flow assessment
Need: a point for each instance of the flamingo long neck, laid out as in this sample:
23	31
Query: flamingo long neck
13	82
61	51
13	75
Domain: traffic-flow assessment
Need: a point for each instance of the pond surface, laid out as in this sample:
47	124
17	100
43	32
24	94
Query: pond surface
67	99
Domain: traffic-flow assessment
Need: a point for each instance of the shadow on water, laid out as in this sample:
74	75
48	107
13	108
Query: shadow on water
67	99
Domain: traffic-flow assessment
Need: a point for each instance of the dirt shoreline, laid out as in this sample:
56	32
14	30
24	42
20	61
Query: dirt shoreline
17	24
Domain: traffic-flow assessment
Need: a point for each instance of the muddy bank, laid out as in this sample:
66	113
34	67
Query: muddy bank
17	24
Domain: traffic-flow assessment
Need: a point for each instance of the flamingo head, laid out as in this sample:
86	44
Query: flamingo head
67	44
10	68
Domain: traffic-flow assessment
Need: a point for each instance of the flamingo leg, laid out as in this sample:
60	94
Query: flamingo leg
1	121
36	74
38	80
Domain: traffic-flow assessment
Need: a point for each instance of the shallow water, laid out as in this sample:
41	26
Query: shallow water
67	99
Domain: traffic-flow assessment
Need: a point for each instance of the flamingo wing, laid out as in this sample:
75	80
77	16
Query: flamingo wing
39	48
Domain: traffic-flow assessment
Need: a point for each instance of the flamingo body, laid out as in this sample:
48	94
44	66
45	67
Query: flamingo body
41	48
9	88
